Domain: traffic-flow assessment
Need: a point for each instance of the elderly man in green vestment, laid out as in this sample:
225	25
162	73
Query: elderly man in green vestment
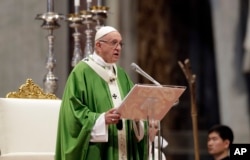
89	126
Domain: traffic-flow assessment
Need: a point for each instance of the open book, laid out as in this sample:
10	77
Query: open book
149	101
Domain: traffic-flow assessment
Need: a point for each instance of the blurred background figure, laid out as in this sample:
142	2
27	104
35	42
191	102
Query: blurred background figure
158	147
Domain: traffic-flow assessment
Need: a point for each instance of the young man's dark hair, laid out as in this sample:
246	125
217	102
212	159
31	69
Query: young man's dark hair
224	131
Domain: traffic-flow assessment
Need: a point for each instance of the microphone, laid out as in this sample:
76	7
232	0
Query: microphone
119	125
144	74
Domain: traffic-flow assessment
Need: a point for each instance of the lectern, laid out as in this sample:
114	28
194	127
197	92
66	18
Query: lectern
150	103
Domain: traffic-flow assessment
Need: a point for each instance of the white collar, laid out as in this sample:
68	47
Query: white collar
99	60
107	73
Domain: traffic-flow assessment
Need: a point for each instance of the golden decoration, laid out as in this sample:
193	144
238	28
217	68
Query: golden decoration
30	90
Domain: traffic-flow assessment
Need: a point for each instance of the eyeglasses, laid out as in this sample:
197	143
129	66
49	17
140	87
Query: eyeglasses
113	43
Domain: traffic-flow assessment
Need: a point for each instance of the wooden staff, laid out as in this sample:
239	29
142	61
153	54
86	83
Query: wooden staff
186	68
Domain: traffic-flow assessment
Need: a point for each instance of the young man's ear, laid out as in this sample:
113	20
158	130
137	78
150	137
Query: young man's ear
226	143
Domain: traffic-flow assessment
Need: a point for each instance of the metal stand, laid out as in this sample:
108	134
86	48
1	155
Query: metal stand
144	74
153	126
50	23
87	20
76	23
99	15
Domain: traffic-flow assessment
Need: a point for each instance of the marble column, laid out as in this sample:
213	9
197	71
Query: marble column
125	22
231	82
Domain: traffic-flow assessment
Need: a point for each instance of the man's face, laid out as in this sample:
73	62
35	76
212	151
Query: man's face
109	47
216	145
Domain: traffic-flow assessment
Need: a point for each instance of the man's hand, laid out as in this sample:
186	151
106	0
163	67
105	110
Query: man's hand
112	116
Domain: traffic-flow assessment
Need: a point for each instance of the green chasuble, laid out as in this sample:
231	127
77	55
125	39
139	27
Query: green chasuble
86	96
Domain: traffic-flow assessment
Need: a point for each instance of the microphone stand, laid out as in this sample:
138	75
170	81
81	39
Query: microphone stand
144	74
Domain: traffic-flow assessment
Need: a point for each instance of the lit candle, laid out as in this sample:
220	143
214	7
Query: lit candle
88	4
77	6
99	3
50	5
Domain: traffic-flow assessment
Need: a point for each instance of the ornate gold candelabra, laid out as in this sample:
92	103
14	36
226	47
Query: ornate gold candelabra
50	23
